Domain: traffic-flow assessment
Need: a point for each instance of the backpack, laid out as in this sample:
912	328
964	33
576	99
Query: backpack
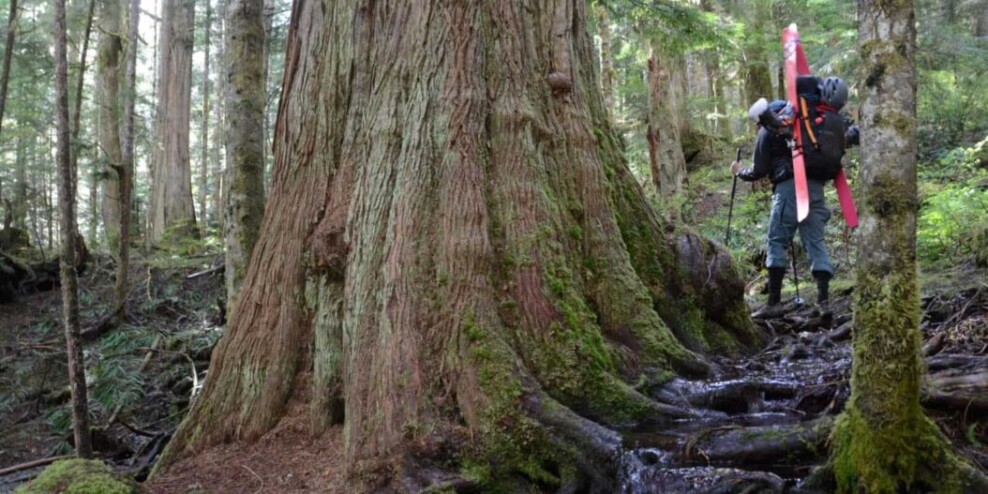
823	131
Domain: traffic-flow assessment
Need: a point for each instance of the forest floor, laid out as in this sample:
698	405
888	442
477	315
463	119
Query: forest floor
763	419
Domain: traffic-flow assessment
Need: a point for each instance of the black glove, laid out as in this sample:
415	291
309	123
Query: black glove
853	136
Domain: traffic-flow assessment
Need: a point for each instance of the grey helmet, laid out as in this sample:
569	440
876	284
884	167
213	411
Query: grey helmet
833	92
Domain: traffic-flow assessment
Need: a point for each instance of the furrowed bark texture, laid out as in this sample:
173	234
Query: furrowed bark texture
172	215
126	171
8	55
607	73
108	89
244	136
666	106
883	443
454	256
67	238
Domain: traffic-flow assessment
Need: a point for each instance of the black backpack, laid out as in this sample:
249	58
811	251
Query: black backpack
823	131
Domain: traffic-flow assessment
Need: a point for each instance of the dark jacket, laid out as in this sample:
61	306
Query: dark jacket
772	159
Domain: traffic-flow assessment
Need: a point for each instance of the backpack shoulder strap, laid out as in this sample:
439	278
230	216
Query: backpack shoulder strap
808	120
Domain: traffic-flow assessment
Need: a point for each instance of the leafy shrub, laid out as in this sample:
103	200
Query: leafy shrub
952	222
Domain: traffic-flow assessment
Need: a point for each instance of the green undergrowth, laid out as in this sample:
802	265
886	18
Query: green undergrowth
78	476
143	370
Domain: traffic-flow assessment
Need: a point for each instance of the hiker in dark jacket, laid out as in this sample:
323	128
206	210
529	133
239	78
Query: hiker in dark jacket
773	159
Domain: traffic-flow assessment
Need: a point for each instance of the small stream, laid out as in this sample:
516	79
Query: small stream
758	427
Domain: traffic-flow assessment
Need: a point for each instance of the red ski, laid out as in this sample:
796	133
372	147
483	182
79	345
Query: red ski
796	65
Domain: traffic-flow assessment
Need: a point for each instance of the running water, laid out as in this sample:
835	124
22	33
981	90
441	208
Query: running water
756	428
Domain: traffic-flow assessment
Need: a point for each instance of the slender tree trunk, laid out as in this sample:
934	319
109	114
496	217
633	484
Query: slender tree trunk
780	75
720	99
883	443
949	11
665	148
108	72
981	19
68	234
476	264
172	214
48	188
76	127
244	137
126	170
219	125
8	54
95	195
607	74
757	77
19	195
203	182
21	177
268	34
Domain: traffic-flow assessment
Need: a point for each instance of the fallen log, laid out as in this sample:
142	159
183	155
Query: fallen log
758	445
963	392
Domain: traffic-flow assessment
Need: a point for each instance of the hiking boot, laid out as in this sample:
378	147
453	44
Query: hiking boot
774	306
822	286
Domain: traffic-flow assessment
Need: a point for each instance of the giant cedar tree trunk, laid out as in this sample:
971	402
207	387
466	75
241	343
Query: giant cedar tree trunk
172	213
454	256
883	443
108	73
244	137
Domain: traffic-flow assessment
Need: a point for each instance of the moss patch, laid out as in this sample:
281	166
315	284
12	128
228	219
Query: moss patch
77	477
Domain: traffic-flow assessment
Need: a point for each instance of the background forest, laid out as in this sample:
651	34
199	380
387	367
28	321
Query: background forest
677	79
716	57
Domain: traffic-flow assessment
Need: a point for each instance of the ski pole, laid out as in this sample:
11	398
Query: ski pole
795	277
730	212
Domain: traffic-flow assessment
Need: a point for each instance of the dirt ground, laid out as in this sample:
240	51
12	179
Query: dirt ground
286	460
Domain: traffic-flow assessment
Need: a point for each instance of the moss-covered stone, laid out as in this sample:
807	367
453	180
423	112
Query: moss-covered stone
78	476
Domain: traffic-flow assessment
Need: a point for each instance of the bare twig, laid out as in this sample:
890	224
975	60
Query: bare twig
209	271
33	464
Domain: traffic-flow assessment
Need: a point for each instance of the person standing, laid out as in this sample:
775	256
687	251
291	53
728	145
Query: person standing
772	158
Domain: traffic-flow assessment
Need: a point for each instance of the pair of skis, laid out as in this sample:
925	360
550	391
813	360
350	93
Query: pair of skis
796	66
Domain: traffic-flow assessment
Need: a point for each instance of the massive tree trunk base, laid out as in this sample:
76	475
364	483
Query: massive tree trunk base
455	262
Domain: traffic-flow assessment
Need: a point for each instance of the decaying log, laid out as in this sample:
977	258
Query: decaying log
761	444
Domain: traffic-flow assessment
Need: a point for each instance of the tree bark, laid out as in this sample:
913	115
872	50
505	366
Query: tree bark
883	442
607	73
76	127
665	147
8	54
244	137
455	261
203	177
126	172
981	19
219	125
172	214
68	234
108	89
757	77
